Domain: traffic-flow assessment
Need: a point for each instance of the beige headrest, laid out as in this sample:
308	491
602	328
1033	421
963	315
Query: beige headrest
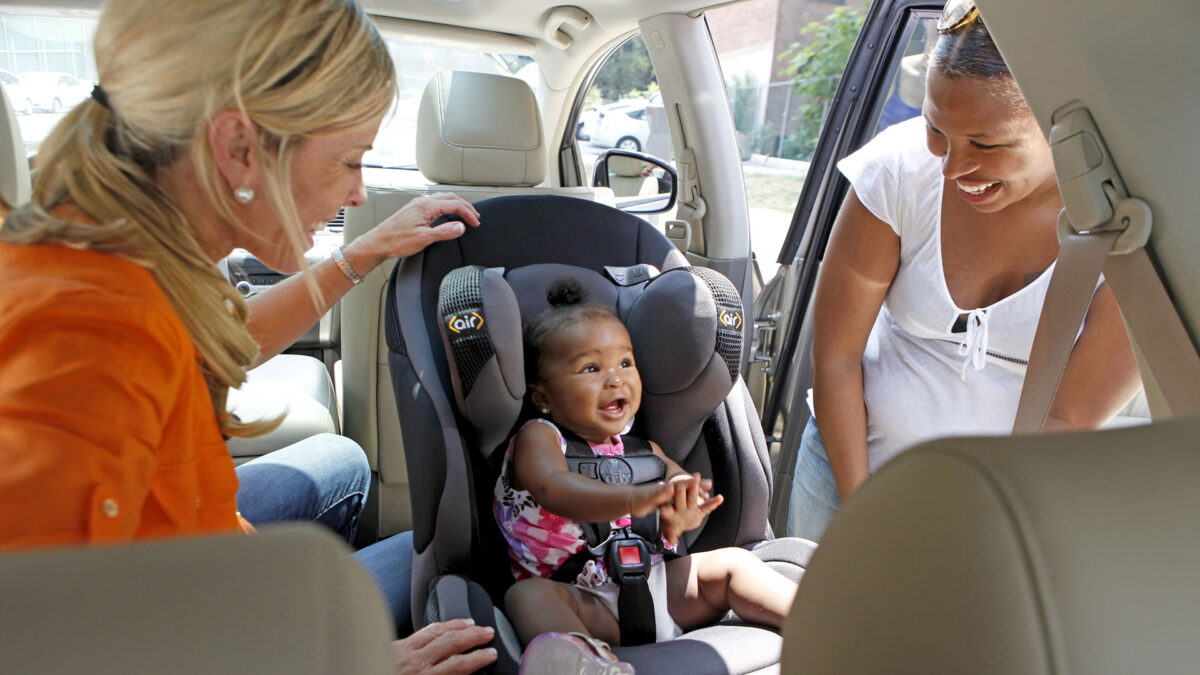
14	165
480	129
625	166
1060	553
288	600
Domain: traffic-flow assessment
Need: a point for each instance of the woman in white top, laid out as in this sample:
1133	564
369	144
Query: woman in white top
933	281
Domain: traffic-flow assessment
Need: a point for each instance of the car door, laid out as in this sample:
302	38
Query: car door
883	84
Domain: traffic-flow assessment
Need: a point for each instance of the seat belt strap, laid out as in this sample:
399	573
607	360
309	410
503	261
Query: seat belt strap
1081	257
1167	349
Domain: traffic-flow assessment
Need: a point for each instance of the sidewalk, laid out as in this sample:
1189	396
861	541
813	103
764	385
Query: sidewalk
762	164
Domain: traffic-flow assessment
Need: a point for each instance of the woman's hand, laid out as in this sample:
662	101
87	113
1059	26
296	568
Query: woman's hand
407	231
438	648
690	506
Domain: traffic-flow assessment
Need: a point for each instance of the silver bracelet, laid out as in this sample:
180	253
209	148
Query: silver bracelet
345	267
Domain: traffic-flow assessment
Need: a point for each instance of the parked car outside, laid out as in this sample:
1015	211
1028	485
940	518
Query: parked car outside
52	92
622	125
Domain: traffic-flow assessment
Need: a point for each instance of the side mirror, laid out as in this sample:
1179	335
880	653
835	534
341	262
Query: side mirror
641	183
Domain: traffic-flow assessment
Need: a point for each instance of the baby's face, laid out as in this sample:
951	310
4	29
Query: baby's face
590	383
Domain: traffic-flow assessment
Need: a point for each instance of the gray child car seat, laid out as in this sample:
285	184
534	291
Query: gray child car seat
453	327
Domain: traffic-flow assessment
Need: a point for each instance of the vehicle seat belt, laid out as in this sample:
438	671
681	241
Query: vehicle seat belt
1102	228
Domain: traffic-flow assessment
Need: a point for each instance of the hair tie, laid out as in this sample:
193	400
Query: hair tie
101	97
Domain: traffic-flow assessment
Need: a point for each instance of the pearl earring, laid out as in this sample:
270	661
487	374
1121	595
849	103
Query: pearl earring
545	411
244	195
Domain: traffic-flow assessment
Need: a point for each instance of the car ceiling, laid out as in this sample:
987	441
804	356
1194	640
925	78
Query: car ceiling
512	26
526	18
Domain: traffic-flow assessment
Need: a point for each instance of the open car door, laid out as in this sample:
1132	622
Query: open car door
883	84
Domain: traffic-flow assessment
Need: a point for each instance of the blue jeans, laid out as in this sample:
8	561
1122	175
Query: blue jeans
814	492
324	479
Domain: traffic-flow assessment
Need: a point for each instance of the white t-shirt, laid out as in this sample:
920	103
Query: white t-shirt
921	379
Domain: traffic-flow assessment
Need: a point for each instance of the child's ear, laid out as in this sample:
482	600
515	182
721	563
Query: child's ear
538	395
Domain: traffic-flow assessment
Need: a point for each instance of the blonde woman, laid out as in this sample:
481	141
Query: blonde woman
120	338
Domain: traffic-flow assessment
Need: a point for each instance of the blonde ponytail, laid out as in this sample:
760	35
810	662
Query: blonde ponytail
296	68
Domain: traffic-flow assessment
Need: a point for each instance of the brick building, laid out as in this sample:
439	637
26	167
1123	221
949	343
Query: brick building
750	38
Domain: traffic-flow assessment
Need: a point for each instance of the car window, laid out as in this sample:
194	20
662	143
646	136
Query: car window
622	108
51	59
782	61
49	64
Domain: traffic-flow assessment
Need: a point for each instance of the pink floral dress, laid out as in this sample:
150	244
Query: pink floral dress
539	541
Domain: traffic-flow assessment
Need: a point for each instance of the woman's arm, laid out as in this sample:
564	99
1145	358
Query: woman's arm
540	467
1101	376
860	263
282	314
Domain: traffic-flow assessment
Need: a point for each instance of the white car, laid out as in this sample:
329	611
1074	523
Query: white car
52	92
622	125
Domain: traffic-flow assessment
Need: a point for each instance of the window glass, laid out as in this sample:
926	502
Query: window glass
622	108
48	67
51	59
906	92
782	61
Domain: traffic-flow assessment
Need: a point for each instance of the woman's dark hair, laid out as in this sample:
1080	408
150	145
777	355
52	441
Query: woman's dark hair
968	51
568	305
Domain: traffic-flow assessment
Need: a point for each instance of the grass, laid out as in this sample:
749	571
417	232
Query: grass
774	192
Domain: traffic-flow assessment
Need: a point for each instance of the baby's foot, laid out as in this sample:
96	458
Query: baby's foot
570	654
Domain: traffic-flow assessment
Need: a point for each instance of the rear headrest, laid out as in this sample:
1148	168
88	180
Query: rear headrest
480	129
14	165
685	325
625	166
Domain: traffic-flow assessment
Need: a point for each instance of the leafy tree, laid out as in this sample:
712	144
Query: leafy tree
817	68
626	71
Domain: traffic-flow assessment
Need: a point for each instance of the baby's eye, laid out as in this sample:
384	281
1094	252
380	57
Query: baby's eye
627	363
589	368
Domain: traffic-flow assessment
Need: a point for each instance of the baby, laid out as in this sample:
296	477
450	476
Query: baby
584	381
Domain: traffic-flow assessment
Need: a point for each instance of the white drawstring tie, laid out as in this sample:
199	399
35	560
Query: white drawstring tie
975	348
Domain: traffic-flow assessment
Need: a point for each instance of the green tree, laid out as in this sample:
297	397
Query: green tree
817	68
626	71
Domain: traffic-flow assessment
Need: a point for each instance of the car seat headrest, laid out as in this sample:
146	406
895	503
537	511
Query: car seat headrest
14	165
480	129
685	325
620	165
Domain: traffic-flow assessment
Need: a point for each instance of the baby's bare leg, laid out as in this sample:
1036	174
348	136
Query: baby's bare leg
701	587
538	605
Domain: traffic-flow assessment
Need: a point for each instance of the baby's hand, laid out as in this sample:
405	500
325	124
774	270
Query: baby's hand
646	498
689	506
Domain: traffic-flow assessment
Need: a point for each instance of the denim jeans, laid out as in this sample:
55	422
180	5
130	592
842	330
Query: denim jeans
324	479
814	492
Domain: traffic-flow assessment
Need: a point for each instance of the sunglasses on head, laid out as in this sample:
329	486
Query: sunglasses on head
956	14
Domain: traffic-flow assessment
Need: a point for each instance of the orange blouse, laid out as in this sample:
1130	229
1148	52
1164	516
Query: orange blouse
107	430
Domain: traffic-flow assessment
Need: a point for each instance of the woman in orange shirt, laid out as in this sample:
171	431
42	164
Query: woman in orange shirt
120	336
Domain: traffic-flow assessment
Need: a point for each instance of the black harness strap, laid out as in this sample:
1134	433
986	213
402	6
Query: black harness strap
626	551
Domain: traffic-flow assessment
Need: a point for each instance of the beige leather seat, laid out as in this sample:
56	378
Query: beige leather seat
291	384
480	136
1052	554
288	600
